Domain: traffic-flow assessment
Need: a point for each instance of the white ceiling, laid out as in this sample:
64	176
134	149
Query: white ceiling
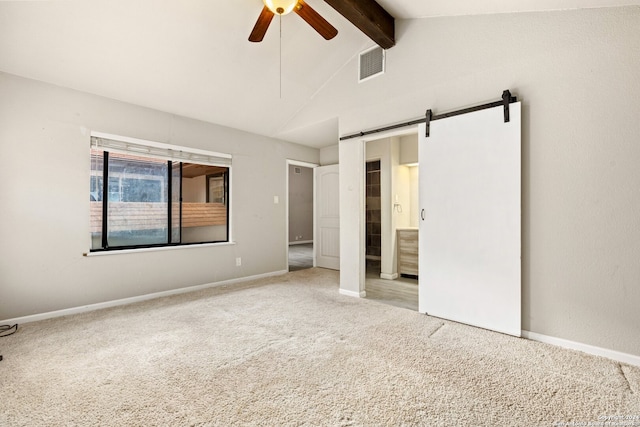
192	57
407	9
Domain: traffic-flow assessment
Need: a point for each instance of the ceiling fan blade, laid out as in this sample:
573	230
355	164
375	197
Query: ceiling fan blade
262	24
314	19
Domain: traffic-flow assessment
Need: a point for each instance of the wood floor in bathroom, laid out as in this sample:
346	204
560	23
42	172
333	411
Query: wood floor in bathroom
402	292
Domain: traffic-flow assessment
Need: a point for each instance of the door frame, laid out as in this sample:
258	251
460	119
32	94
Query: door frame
357	270
291	162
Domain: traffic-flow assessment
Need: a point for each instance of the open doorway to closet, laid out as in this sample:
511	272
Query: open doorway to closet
300	207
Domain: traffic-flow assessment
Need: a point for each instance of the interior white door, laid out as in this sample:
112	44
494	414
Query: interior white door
327	217
470	235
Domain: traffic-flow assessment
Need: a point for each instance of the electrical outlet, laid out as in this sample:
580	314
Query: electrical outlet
238	262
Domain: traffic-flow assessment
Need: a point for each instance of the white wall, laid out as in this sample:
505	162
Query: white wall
401	196
352	227
329	155
44	185
576	73
409	158
409	149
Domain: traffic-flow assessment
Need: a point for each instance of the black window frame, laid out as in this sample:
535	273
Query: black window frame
225	183
170	163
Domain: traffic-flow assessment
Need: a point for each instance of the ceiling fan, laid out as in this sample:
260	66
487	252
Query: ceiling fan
283	7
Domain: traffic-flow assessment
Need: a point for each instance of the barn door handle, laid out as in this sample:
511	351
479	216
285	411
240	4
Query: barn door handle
422	214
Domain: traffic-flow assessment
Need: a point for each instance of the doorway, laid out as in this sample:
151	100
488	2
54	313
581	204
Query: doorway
300	218
390	210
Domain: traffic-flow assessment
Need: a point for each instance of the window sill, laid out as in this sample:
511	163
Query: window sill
161	248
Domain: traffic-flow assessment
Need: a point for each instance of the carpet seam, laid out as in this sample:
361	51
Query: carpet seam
626	380
434	332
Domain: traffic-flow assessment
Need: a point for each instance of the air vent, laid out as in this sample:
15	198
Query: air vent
371	63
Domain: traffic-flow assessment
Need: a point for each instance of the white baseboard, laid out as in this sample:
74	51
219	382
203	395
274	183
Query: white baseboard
387	276
300	242
360	294
125	301
629	359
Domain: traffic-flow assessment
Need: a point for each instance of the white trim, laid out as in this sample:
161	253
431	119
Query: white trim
230	201
618	356
300	163
155	249
289	163
131	300
360	294
160	145
159	150
300	242
314	235
387	276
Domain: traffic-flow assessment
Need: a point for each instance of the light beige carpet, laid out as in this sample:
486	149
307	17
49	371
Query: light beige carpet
289	351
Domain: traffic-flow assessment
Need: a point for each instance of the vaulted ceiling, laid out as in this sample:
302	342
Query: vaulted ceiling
192	57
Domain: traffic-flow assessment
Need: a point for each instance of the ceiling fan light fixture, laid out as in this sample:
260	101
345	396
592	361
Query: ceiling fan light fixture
280	7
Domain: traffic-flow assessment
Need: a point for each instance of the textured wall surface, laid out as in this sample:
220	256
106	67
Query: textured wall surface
576	73
300	204
44	220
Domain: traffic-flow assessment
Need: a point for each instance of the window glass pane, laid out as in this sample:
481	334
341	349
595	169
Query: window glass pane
216	188
95	199
146	196
176	192
137	208
204	203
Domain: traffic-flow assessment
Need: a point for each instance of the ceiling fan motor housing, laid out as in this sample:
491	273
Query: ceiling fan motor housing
280	7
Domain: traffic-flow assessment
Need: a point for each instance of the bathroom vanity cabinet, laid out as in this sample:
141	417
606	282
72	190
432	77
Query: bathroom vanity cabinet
407	241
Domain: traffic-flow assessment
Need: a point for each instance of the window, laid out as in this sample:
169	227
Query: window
145	194
216	188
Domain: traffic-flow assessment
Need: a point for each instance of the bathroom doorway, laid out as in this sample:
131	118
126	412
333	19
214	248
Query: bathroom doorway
391	210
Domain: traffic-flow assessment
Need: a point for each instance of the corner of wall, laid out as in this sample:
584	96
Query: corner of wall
329	155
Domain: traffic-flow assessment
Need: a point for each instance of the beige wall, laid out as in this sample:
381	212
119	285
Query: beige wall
576	73
300	204
329	155
44	185
409	149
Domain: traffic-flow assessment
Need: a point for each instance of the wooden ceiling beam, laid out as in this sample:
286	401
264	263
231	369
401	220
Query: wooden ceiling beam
371	18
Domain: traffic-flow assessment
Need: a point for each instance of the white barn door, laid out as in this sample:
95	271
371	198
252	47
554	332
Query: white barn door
470	219
327	217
